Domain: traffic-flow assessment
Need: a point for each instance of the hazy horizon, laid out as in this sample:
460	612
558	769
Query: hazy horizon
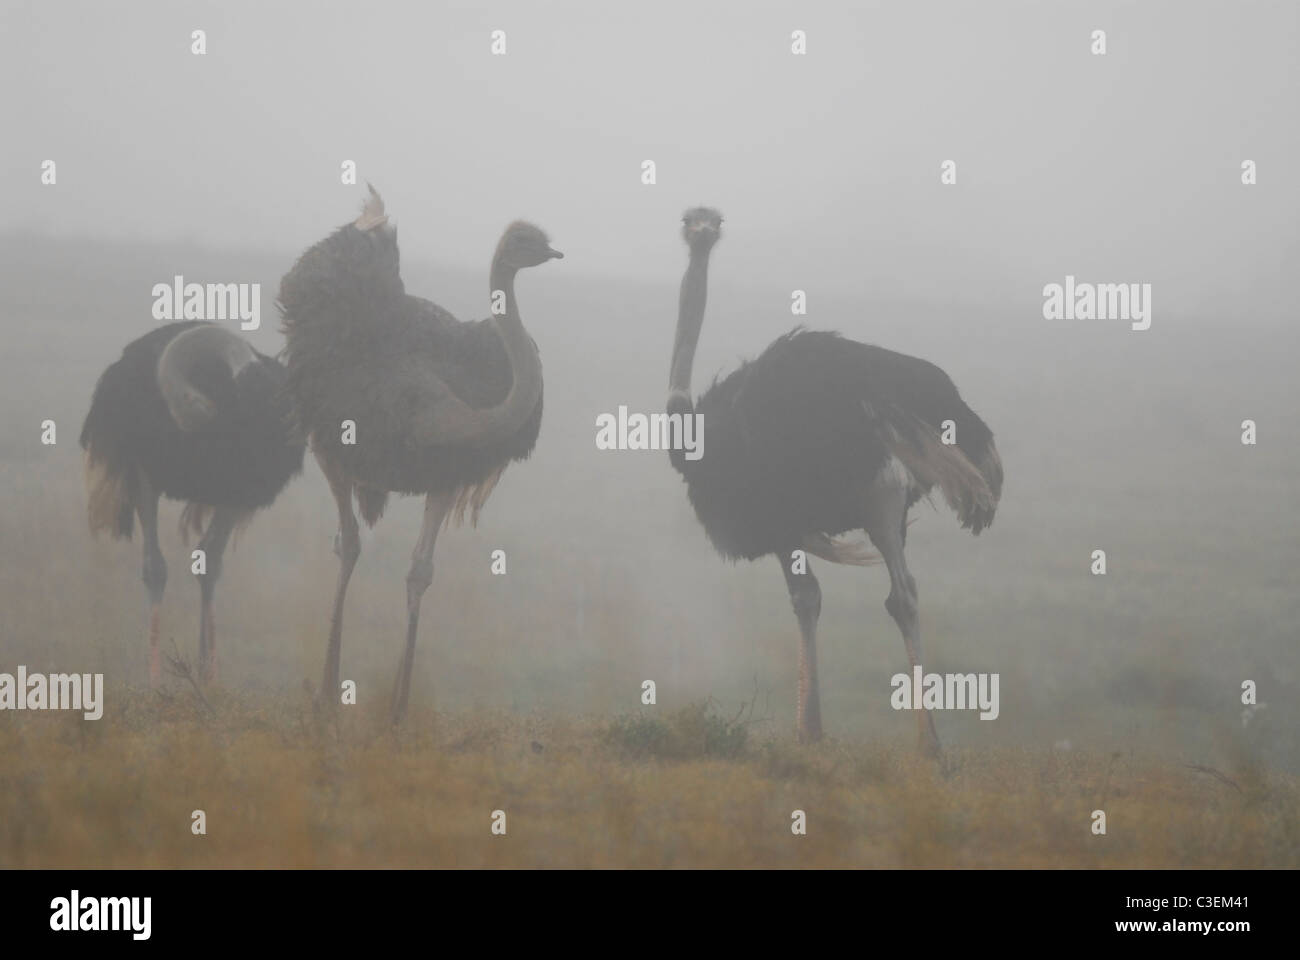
1120	688
1066	162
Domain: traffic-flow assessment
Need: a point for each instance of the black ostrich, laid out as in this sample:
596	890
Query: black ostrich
193	413
818	436
437	407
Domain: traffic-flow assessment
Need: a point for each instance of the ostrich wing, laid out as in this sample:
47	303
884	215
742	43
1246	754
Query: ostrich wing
817	398
429	375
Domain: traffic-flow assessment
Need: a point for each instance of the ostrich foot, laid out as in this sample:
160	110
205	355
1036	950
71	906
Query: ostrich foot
810	726
927	736
807	736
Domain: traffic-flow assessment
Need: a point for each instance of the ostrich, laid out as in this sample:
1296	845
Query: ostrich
818	436
438	407
190	412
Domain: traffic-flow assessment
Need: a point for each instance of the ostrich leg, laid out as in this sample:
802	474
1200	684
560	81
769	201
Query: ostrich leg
806	598
213	545
887	528
436	506
348	547
155	568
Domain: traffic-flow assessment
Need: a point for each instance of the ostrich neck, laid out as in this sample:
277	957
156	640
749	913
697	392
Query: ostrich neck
498	422
690	317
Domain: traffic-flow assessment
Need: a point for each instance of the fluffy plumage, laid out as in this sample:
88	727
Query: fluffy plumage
818	436
360	348
439	407
242	458
795	438
193	413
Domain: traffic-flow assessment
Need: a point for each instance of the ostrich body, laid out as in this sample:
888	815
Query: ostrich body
193	413
820	435
440	407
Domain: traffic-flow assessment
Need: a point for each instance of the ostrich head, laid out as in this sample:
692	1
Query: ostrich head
701	227
524	245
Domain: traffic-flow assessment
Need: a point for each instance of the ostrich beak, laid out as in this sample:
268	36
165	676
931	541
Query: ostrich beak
554	254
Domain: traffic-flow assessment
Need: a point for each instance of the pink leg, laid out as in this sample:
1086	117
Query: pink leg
155	571
213	545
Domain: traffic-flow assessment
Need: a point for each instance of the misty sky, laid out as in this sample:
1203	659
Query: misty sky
1123	167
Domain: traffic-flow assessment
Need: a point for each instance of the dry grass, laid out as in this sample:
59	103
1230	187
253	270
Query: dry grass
1127	443
281	790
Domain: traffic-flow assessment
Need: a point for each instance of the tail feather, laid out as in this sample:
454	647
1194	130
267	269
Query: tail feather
972	492
471	498
342	280
108	498
372	211
371	501
990	467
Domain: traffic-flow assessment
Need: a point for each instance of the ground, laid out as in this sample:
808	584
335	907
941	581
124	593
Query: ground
1121	692
696	789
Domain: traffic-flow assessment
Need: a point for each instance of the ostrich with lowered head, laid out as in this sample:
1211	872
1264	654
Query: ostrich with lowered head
190	412
818	436
432	406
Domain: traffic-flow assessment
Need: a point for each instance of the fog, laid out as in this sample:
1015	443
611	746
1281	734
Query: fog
826	165
1122	168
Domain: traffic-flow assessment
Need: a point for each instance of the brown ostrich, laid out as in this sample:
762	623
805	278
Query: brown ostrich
437	407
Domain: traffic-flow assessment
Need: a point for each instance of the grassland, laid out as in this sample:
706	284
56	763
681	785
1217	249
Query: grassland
1119	693
279	790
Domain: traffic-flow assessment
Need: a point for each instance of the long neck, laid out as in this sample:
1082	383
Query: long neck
502	420
690	318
